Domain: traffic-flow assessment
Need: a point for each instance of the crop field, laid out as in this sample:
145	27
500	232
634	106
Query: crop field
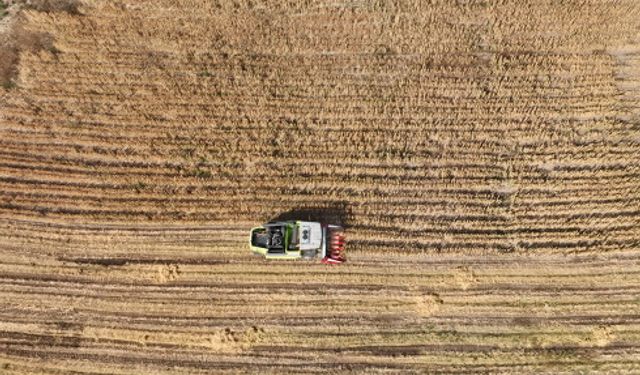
484	157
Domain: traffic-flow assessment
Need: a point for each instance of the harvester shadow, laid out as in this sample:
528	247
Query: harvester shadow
338	214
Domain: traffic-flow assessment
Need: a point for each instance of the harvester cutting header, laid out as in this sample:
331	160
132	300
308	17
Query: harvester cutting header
299	239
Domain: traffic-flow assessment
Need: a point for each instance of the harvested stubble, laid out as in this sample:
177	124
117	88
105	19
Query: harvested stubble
484	156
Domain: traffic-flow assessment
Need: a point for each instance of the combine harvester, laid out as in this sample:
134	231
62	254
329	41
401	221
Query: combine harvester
299	239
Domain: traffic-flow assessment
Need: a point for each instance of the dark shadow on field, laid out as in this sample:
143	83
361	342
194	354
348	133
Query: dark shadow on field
338	214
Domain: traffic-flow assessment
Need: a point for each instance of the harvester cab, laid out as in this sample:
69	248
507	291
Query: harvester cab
299	239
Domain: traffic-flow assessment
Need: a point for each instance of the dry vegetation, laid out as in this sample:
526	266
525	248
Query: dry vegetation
484	156
15	38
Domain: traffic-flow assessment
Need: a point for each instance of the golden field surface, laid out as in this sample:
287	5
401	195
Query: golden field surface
484	157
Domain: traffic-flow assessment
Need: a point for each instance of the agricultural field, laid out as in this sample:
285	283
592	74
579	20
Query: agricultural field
484	157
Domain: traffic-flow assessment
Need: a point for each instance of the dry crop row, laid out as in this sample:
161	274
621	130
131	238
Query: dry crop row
452	314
